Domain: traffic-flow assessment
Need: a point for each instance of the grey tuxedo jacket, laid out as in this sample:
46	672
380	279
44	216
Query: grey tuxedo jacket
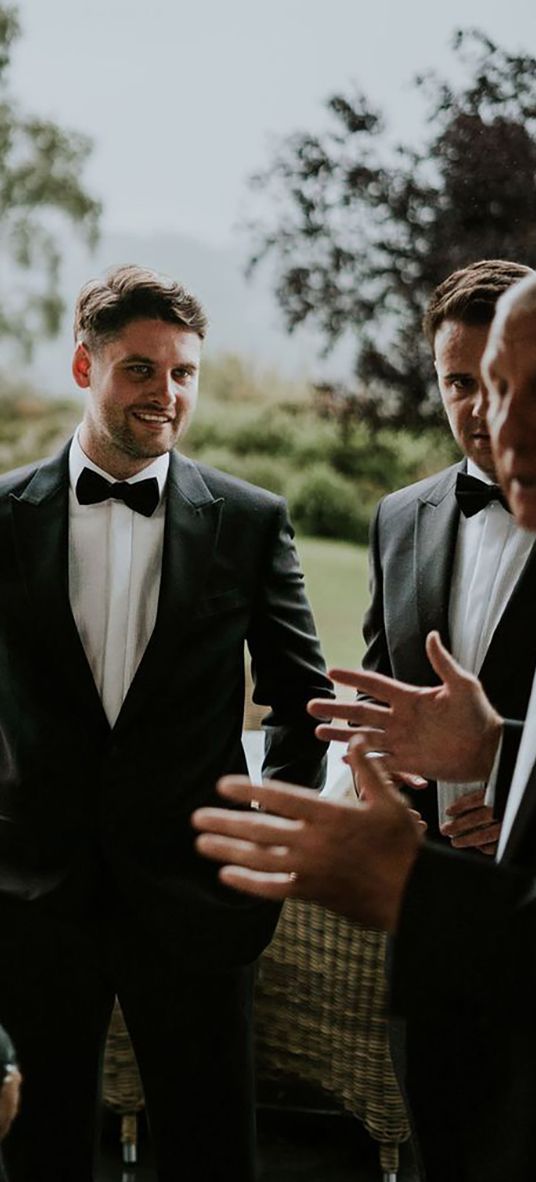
412	545
86	809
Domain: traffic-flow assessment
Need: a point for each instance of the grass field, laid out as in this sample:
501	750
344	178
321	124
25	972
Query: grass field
336	577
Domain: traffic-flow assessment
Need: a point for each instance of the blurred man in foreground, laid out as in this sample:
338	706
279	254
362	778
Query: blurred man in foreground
465	929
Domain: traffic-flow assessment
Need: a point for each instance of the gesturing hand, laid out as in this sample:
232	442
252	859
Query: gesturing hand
446	732
353	859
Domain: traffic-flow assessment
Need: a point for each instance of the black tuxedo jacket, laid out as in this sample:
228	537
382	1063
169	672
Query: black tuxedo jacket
81	804
413	540
465	961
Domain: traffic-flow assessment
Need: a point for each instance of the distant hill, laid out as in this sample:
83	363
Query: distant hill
243	315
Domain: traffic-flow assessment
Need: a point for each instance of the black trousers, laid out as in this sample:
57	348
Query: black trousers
191	1033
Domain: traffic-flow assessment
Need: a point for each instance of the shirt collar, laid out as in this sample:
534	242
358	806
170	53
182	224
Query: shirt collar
474	470
78	460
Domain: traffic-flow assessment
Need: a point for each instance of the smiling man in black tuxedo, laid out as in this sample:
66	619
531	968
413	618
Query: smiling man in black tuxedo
131	579
464	927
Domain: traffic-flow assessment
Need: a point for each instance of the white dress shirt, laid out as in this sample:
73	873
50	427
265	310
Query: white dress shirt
491	551
115	562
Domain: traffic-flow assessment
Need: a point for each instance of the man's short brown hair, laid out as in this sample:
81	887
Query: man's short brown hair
105	306
470	295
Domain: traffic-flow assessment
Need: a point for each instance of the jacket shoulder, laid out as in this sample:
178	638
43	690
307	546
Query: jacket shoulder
17	478
241	492
420	490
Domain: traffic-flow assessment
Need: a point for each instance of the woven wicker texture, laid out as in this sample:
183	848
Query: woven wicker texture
320	1018
121	1090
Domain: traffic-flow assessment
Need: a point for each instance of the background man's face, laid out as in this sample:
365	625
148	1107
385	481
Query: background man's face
509	368
142	391
458	352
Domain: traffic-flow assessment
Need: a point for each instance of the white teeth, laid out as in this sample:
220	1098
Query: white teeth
153	418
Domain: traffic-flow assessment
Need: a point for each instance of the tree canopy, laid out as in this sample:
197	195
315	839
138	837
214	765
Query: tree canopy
40	182
360	232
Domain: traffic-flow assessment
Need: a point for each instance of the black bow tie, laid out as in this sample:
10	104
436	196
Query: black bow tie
473	495
142	496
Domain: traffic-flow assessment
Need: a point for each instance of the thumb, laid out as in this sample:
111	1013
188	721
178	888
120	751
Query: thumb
441	660
369	766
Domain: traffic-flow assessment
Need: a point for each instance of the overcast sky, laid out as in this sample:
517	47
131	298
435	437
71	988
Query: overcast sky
182	98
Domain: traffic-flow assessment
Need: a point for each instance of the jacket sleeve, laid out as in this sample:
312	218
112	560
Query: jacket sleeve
466	938
286	662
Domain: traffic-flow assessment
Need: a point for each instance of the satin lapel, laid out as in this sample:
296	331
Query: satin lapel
190	537
436	526
41	527
516	627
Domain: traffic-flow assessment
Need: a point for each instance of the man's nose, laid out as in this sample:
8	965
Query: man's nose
164	389
480	402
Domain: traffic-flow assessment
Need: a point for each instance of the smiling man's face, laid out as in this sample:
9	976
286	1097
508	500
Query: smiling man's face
458	350
509	368
142	392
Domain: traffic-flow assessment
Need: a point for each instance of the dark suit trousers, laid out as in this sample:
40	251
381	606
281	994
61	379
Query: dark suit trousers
191	1032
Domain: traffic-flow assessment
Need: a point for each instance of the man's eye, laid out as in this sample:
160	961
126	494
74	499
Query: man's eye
140	370
181	374
464	385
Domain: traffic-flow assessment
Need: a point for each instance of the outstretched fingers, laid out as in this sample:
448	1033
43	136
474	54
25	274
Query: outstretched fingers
255	882
272	796
376	685
446	667
248	854
252	826
374	780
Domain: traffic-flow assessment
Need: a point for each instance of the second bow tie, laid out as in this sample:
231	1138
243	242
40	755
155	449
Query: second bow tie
142	496
473	495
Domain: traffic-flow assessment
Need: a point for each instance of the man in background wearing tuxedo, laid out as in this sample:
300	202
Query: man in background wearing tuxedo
131	579
446	554
464	927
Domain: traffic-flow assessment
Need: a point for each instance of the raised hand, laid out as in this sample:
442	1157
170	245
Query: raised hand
447	732
353	859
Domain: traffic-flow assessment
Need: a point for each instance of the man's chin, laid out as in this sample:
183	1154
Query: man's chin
522	501
481	454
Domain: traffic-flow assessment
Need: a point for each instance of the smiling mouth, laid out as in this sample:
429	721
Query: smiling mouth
151	417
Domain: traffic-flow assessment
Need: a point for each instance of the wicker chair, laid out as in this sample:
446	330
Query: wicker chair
320	1019
122	1090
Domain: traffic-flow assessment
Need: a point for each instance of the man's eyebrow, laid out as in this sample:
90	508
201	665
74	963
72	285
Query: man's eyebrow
140	359
452	377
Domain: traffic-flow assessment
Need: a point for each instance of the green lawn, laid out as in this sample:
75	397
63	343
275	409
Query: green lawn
336	577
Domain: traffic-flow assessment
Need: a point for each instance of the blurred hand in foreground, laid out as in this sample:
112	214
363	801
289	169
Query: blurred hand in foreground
352	859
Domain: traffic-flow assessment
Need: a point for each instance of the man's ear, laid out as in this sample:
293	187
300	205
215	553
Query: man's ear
81	366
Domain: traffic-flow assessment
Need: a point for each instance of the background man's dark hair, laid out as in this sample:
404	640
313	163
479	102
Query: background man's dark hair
470	295
105	306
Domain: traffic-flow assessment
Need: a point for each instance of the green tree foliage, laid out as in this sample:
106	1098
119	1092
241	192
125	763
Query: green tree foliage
40	171
359	233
